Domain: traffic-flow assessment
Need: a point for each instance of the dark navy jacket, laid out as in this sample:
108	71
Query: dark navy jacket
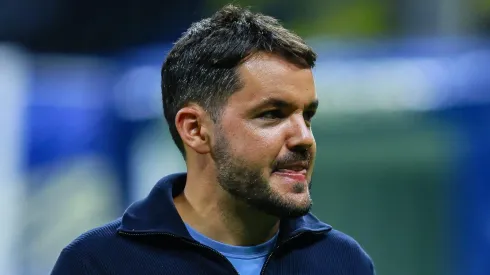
151	238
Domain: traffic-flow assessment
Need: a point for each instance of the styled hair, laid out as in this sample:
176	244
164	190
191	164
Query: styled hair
201	68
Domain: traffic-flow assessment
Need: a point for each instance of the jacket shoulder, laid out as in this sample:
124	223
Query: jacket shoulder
343	240
347	247
79	257
95	238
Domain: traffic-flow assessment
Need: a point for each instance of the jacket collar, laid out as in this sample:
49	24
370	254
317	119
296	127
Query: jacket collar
157	214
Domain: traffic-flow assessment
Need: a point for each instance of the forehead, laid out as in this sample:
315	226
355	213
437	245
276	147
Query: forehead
265	76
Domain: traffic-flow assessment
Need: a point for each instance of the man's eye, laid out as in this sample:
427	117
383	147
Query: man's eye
272	114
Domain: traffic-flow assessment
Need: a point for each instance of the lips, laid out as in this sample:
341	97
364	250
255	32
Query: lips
295	171
298	176
291	171
293	167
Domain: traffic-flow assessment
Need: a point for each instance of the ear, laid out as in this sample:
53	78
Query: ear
192	123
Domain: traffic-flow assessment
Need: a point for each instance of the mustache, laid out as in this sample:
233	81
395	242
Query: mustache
293	157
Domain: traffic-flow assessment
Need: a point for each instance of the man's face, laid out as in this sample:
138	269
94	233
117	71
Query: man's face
264	148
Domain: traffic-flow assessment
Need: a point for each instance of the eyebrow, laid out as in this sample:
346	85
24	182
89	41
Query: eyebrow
280	103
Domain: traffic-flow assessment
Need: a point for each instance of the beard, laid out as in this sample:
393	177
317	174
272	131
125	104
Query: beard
247	183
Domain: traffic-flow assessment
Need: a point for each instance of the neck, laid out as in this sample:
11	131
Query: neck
210	210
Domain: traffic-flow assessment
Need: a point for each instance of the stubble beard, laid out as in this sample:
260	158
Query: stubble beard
246	183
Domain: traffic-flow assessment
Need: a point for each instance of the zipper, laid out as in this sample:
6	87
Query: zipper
193	243
262	272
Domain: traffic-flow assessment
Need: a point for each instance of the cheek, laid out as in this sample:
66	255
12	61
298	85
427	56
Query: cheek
266	144
257	144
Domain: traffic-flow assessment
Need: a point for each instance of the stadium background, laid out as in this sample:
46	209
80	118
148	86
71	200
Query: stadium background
403	130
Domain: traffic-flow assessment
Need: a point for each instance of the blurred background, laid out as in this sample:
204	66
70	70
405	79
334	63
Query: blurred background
403	130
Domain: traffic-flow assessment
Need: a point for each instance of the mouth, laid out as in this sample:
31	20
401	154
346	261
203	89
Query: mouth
296	171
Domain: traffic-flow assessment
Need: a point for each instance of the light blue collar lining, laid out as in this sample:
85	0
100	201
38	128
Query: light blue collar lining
231	251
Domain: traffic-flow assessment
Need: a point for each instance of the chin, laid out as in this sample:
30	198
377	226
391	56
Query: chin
285	204
296	199
287	186
297	209
299	200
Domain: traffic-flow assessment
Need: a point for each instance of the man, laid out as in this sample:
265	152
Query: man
239	98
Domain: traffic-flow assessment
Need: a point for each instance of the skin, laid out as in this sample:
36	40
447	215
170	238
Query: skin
236	192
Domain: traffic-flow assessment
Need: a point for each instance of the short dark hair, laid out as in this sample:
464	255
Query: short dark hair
201	67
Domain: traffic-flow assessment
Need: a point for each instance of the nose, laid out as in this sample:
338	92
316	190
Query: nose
301	137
